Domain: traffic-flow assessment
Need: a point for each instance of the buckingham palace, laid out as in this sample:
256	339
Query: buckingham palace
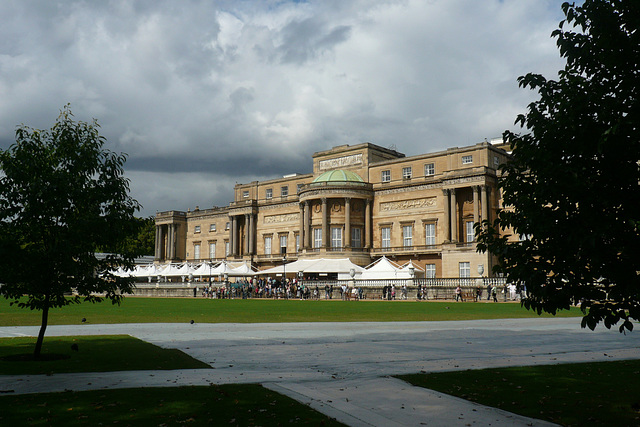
360	202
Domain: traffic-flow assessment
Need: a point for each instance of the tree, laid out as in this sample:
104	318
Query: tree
142	240
572	188
61	196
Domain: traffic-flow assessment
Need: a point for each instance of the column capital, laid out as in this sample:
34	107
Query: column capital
445	191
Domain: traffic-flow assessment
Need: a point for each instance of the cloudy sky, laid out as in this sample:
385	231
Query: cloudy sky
204	94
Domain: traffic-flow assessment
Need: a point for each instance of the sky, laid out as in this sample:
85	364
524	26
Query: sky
204	94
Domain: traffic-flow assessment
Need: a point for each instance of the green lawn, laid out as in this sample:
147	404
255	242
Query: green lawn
228	405
179	310
95	354
604	393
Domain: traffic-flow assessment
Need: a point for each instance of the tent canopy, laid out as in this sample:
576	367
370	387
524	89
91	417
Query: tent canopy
322	265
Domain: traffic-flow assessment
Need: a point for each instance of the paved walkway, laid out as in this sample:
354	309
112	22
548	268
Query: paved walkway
344	369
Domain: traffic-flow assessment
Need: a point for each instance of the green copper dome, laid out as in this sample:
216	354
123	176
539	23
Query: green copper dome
338	175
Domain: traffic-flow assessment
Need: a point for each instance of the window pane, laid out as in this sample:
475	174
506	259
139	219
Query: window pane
430	271
470	234
386	237
429	169
336	237
212	250
467	159
465	269
267	245
269	193
407	236
430	234
284	191
406	173
386	176
317	237
196	251
283	244
356	237
226	248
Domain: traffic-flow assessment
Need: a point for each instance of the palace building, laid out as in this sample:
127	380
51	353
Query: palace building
360	202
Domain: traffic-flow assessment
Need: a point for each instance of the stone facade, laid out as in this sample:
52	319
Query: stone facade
419	208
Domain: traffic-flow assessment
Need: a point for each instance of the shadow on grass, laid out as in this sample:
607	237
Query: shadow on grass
101	353
603	393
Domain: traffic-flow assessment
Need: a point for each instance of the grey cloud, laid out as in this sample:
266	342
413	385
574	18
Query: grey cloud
306	39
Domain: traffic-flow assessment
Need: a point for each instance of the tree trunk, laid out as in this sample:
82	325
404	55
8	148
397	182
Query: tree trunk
43	327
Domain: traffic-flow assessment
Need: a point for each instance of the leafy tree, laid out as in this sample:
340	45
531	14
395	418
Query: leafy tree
572	189
142	239
61	196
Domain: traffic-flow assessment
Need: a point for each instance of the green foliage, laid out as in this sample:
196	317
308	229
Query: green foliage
141	241
572	186
62	195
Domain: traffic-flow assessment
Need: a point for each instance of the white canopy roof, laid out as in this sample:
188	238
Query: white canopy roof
381	269
322	265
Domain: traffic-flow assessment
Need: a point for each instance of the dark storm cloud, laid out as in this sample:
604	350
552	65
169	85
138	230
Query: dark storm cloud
203	94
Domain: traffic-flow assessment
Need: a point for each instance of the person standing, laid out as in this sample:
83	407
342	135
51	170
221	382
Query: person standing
458	293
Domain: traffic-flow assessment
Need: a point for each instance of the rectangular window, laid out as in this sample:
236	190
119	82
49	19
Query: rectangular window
227	248
336	237
469	230
269	193
227	225
407	236
196	229
430	234
284	191
283	244
297	243
317	237
356	237
385	233
430	271
386	176
496	161
212	227
465	269
467	160
429	169
245	194
267	245
212	250
406	173
196	251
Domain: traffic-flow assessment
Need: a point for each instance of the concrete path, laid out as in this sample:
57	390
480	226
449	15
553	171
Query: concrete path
344	369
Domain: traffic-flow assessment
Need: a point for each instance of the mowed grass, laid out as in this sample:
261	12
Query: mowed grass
102	353
232	405
598	394
179	310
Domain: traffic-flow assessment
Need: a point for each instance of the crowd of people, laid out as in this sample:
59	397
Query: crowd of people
311	290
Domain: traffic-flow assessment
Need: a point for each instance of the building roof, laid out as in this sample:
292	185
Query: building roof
338	175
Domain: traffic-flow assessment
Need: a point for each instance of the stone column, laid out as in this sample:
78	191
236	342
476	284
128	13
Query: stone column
483	201
252	238
347	222
307	226
325	222
234	236
367	224
454	216
158	250
447	214
246	234
301	232
476	211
